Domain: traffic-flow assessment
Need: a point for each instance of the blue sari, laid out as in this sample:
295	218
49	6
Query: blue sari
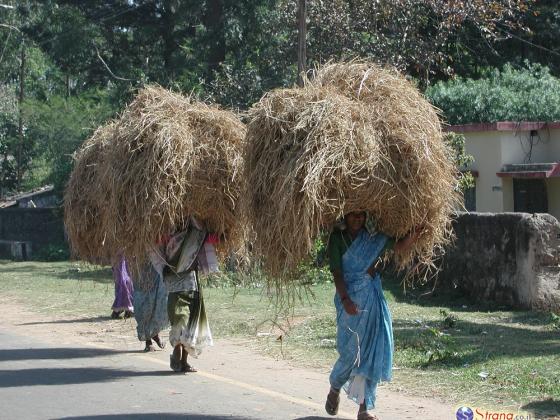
364	341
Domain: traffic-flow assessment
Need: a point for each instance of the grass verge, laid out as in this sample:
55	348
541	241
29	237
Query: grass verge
475	355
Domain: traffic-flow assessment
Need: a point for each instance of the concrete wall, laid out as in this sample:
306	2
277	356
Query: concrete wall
516	146
39	226
509	258
485	147
47	199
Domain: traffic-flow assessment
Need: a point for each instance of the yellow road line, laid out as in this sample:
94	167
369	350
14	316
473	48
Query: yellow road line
254	388
234	382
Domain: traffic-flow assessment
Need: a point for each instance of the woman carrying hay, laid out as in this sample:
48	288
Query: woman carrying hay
150	308
364	331
183	256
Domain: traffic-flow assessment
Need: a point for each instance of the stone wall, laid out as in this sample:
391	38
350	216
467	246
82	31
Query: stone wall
508	258
38	227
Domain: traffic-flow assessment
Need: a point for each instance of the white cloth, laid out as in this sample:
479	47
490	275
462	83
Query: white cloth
357	388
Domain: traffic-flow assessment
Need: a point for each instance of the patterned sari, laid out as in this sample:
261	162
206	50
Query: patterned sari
182	261
150	306
365	340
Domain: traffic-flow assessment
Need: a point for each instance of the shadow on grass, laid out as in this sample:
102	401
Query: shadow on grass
456	301
478	342
150	416
55	353
544	409
10	267
426	296
67	376
99	275
59	271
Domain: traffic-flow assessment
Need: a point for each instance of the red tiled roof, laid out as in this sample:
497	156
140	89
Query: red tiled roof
503	126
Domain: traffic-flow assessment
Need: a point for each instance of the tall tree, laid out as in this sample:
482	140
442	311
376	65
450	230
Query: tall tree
414	35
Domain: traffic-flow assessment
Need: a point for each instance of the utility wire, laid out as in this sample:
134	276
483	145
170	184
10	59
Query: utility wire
540	47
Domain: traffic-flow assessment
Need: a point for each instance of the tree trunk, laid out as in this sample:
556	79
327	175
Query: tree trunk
213	20
20	122
302	44
168	35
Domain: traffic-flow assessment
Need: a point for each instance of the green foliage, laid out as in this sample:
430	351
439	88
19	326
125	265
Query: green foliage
53	252
75	117
449	320
432	344
536	40
38	174
438	346
527	94
554	321
228	52
316	270
8	136
456	143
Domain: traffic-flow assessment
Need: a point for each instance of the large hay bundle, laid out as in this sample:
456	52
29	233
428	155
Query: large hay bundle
357	137
82	204
170	157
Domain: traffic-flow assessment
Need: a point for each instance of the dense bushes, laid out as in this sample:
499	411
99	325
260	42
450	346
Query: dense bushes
527	94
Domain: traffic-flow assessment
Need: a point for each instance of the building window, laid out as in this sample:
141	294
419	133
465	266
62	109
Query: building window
530	196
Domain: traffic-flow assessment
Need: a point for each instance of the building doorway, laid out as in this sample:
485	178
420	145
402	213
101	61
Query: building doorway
530	196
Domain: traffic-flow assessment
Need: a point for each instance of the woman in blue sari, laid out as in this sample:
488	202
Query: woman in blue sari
364	331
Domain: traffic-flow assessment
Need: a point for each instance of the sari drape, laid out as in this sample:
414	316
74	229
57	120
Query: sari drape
364	341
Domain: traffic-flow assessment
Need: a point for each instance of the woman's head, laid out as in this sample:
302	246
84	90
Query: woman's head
355	220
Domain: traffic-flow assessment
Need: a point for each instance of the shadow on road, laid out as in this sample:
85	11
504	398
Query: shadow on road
70	321
65	376
55	353
313	418
549	408
167	416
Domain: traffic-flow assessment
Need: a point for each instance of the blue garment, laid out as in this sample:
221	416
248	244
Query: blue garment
150	306
364	341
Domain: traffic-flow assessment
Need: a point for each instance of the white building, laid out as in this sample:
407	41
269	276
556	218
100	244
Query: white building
516	166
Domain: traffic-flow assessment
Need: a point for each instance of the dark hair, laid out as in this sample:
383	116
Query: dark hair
362	213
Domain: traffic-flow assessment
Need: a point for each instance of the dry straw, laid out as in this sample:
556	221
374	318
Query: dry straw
356	137
170	157
82	203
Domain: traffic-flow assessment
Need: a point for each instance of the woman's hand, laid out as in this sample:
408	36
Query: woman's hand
405	243
350	307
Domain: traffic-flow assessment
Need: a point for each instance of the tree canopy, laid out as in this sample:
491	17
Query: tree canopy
527	94
68	65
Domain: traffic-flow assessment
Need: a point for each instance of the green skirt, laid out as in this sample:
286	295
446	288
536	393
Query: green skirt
189	324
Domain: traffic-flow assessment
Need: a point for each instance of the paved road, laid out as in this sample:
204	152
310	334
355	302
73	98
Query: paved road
41	380
64	372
